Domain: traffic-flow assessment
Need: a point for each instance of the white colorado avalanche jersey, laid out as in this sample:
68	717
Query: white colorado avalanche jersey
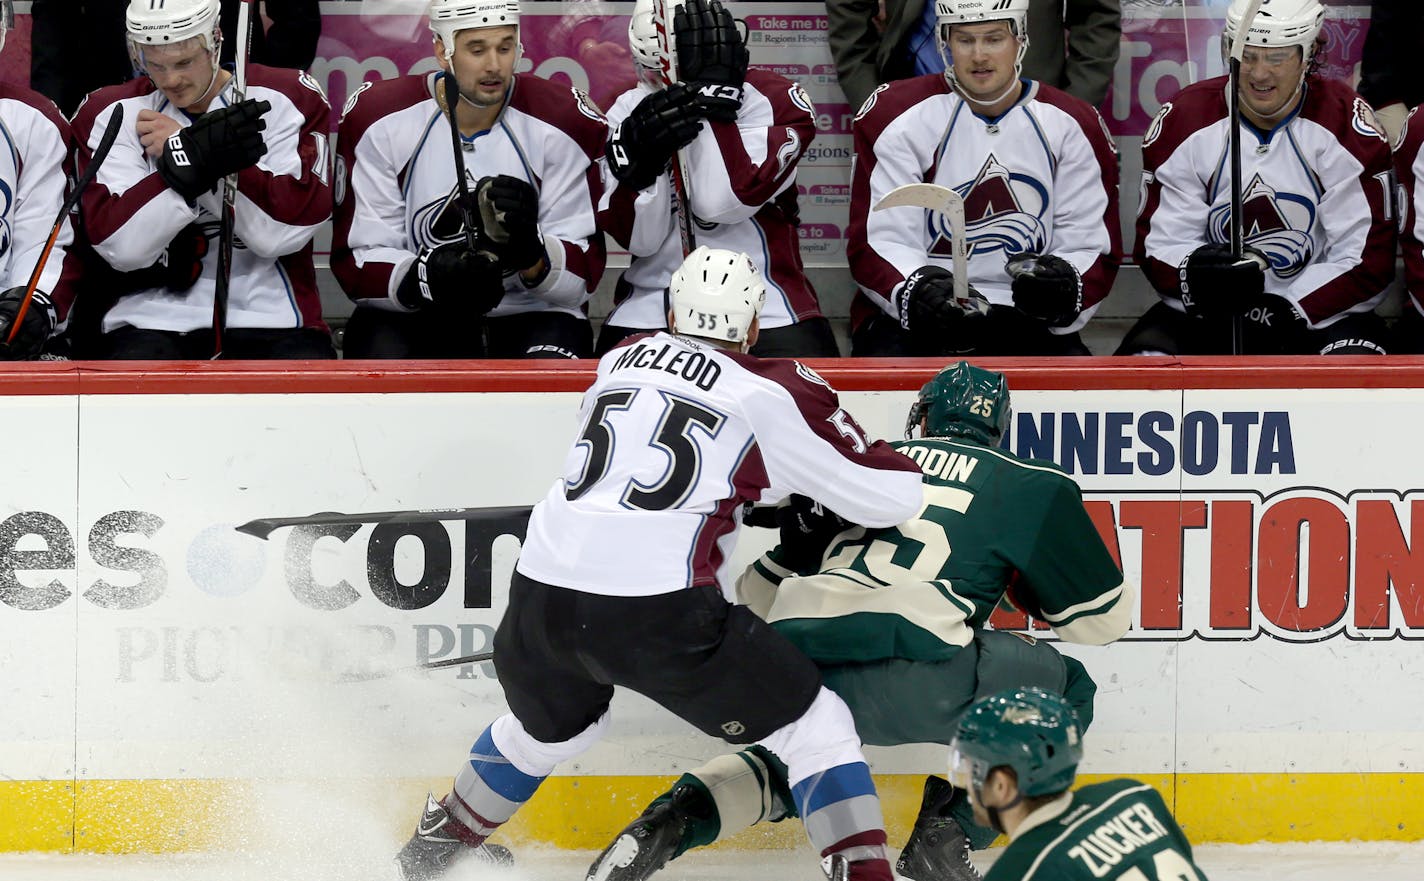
677	435
1041	179
1316	193
1409	166
743	192
395	172
131	214
33	182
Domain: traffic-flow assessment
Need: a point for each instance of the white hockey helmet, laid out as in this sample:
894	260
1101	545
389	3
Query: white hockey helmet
170	22
1279	23
979	11
449	17
643	42
7	19
716	294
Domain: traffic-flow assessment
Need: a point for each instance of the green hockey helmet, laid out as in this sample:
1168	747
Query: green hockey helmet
962	401
1032	731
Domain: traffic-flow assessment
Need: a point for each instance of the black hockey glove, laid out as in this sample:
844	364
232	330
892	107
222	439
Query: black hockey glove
1047	288
39	323
712	56
807	528
453	276
1274	324
177	270
642	145
1214	283
939	324
219	143
509	213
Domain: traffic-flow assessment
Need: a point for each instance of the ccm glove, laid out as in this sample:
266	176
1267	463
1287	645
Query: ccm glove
807	528
938	323
39	323
1047	288
1215	284
712	56
509	213
451	275
642	145
221	142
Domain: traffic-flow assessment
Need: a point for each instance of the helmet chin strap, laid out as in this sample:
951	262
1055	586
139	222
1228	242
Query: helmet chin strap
996	822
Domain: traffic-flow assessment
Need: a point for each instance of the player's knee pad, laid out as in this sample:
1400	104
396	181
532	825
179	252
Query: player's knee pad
534	757
822	737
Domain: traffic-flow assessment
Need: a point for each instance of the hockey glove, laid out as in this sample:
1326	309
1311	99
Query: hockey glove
509	213
712	56
938	323
39	323
641	147
807	528
220	143
1047	288
1274	325
1215	284
451	275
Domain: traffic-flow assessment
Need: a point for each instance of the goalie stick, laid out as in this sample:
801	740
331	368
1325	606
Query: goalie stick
667	58
111	131
1236	230
265	526
226	232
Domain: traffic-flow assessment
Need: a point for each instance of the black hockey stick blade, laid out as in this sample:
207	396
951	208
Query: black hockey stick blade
443	663
111	131
264	526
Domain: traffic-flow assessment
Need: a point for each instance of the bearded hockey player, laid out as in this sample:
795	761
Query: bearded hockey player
621	578
896	623
1038	174
34	174
743	133
152	214
529	149
1315	190
1016	754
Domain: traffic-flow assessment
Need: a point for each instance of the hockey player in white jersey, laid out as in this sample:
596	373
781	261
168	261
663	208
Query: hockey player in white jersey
530	151
1315	192
622	581
153	212
743	133
1038	175
33	174
1408	168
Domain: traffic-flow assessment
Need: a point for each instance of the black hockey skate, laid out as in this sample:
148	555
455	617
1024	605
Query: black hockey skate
434	847
646	844
938	849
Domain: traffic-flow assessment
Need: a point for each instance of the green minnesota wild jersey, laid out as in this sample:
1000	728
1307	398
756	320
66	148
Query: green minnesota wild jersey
991	523
1115	831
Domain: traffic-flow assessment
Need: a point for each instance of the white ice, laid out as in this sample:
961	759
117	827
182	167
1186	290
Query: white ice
331	858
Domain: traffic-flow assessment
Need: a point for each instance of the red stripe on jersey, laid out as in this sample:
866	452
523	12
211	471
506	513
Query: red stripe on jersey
748	480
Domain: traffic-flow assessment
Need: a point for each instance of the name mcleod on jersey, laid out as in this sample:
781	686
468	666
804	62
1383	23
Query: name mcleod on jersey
695	367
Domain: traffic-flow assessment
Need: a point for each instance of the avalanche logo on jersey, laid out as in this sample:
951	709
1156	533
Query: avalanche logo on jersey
1276	224
7	201
439	222
1003	212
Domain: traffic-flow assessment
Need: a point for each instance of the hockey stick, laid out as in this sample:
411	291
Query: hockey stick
947	203
1233	101
667	57
452	101
111	131
226	233
264	526
367	676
